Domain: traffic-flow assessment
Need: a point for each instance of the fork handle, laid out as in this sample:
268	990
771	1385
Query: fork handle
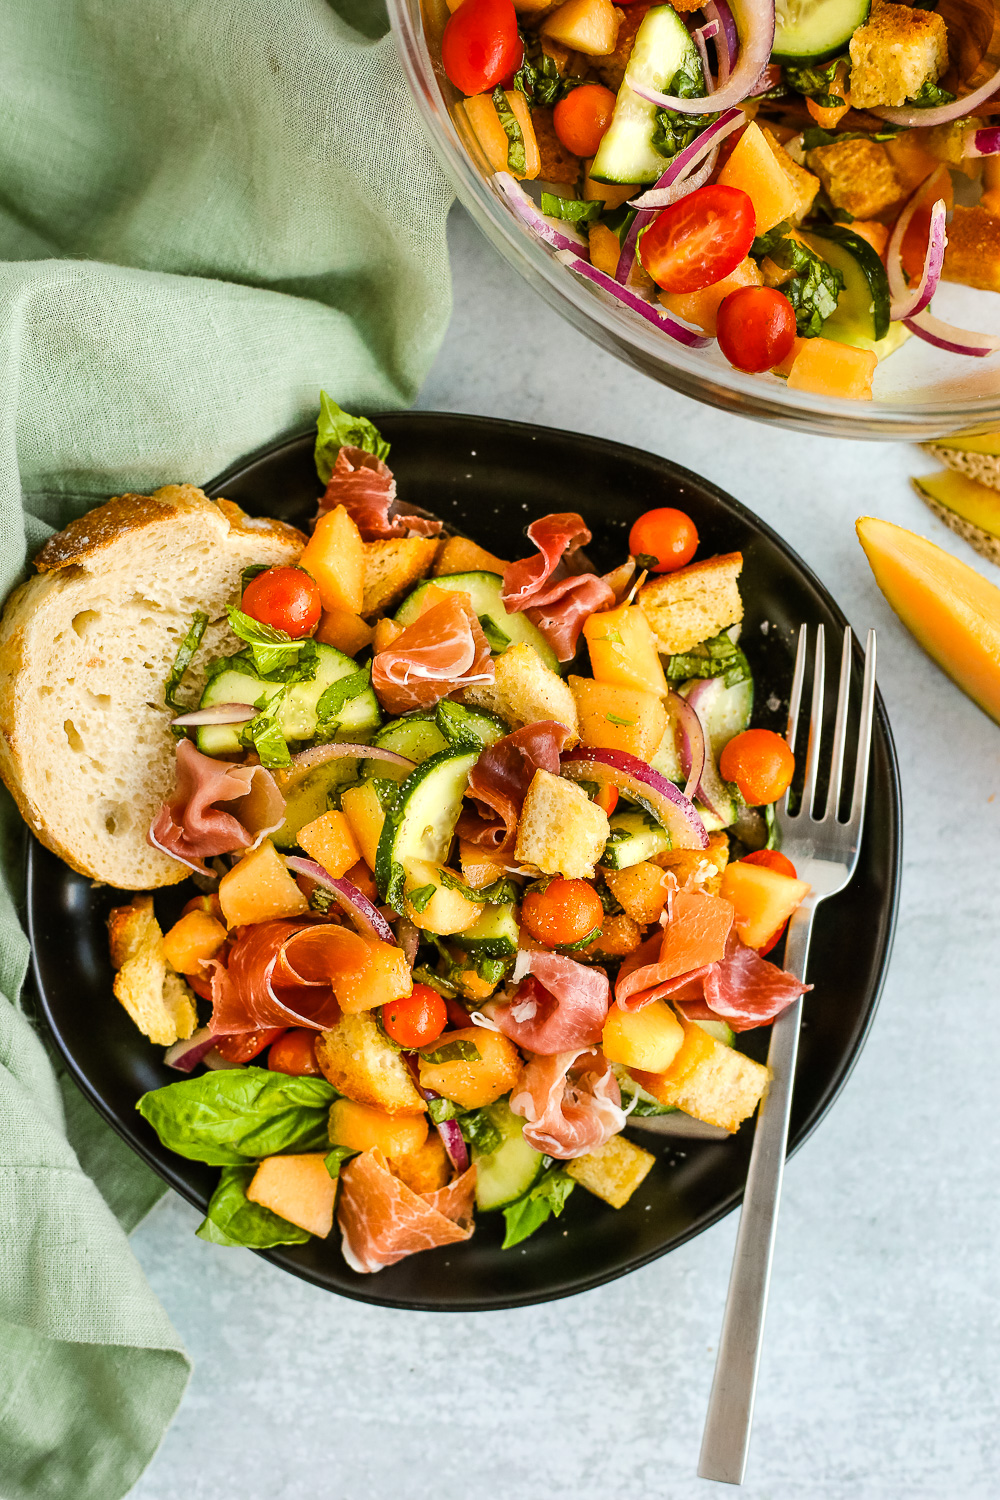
726	1438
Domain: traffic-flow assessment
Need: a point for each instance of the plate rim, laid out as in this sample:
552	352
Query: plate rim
276	1255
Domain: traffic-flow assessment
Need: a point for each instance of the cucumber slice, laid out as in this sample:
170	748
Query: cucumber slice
506	1174
422	822
634	836
484	590
811	30
862	313
416	736
297	716
468	728
662	46
309	794
495	935
721	1032
724	713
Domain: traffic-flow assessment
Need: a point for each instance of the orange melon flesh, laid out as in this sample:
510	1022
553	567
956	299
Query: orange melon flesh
828	368
649	1038
297	1188
363	1127
492	137
949	609
335	557
754	167
763	900
702	308
623	649
968	498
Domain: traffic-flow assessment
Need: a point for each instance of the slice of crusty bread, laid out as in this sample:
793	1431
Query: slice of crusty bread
694	603
525	690
393	567
85	650
155	996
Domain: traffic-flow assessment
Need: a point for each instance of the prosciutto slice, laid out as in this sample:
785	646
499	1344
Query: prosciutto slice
559	1006
499	782
747	991
279	974
365	487
443	650
670	963
194	825
382	1220
569	1107
557	605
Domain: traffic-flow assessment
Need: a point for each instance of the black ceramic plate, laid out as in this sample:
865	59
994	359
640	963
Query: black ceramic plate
489	479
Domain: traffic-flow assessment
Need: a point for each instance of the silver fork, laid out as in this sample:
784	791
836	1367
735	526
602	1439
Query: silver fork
825	853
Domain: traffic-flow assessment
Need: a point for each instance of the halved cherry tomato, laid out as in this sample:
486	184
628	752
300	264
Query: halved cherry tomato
756	328
481	46
607	799
243	1046
581	119
667	536
760	763
419	1017
565	912
208	903
771	859
295	1053
700	239
285	598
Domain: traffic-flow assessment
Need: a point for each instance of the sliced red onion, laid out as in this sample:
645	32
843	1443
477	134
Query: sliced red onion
710	791
728	121
728	44
942	114
219	1064
769	79
185	1056
219	713
306	759
757	38
692	741
701	36
450	1132
366	917
984	142
946	336
553	231
408	938
908	300
633	301
634	779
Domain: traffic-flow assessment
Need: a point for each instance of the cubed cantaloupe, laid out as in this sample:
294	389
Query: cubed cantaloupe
712	1082
480	866
362	1127
386	631
763	900
297	1188
260	888
472	1082
588	26
344	630
702	308
753	166
827	368
623	650
329	840
648	1038
605	249
438	907
364	812
365	980
613	717
607	193
482	116
425	1170
641	890
335	557
193	939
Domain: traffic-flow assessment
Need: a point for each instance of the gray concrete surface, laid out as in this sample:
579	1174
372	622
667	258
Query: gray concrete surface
881	1365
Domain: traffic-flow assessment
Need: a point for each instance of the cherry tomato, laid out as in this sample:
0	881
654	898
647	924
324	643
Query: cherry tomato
607	799
285	598
665	535
760	763
209	904
420	1017
771	859
480	46
581	119
700	239
295	1053
755	328
565	912
243	1046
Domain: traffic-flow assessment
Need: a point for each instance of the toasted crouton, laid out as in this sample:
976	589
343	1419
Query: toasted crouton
894	54
526	690
358	1060
613	1171
858	176
973	252
459	555
805	184
561	832
694	603
394	566
697	869
557	164
712	1082
157	999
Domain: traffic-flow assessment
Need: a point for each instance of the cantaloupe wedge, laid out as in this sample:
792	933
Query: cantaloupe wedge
763	900
297	1188
259	888
754	167
623	649
335	557
649	1038
950	610
986	442
619	718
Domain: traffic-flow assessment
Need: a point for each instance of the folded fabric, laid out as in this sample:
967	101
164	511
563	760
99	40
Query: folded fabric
209	212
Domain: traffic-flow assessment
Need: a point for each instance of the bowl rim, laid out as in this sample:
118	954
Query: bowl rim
612	327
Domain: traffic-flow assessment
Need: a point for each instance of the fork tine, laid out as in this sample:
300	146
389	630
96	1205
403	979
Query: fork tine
815	724
840	729
864	739
798	677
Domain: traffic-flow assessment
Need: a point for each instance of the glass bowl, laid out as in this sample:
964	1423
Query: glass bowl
919	392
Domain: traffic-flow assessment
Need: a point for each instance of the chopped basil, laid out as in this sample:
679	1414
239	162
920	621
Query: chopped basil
264	735
930	94
479	1131
529	1213
182	660
395	893
815	135
333	699
645	561
455	883
232	1219
492	970
424	975
502	892
612	906
538	77
335	1158
674	130
571	210
496	639
420	898
250	573
336	429
461	1051
773	832
516	159
624	723
581	943
271	648
814	286
814	82
321	899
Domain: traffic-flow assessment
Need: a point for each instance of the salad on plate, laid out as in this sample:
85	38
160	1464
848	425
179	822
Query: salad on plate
779	178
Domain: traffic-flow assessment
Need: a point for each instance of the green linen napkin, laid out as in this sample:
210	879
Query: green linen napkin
208	212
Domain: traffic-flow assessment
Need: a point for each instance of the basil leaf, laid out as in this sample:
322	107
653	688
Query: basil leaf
814	82
479	1131
462	1051
492	970
612	906
441	1109
333	699
419	898
462	887
571	210
538	77
581	943
182	660
271	648
502	892
929	94
673	130
496	639
335	1158
814	286
227	1117
337	429
516	159
250	573
529	1213
264	734
424	975
395	891
233	1220
815	135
